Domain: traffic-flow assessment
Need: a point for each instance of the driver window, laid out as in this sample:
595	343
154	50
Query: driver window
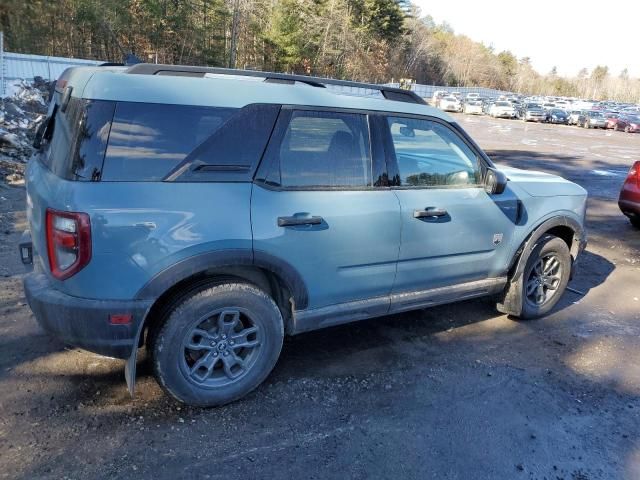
430	154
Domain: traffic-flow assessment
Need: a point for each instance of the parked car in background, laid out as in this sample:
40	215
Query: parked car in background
629	200
473	96
630	123
574	117
473	107
548	106
502	109
532	112
486	105
450	104
437	96
611	119
555	115
592	119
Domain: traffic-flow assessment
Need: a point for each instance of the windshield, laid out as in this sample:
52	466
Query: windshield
503	104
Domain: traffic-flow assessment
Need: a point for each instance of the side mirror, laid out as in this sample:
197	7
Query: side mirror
407	132
494	181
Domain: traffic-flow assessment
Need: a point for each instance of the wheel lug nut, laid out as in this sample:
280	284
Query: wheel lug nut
224	337
226	353
231	342
215	354
213	344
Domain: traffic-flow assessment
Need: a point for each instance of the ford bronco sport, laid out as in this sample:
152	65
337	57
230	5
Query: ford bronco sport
205	213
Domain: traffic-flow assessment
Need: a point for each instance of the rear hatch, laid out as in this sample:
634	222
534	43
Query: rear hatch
71	145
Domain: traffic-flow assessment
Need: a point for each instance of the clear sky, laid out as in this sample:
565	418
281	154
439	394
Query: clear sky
569	34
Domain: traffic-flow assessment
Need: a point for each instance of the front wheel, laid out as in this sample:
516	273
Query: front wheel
218	344
545	276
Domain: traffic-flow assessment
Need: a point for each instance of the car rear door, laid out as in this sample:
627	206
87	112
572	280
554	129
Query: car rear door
453	231
317	207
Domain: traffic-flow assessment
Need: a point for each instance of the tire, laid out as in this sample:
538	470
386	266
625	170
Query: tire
635	221
551	255
626	129
235	332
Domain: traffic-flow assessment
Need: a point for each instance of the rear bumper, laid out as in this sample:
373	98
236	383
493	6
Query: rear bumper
629	207
84	322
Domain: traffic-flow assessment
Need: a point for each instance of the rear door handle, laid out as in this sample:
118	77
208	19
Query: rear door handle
298	220
430	212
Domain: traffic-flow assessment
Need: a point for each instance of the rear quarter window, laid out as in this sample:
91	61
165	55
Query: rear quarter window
147	141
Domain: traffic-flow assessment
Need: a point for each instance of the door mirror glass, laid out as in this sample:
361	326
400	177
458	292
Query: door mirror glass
495	181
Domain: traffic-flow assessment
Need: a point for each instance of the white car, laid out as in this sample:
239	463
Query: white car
437	96
450	104
473	107
473	96
502	109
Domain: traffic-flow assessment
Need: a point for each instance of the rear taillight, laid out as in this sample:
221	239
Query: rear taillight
68	242
634	173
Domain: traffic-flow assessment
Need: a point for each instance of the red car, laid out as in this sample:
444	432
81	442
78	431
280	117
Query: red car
629	123
612	119
629	201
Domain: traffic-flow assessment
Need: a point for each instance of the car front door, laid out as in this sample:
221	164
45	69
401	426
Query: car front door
453	231
315	207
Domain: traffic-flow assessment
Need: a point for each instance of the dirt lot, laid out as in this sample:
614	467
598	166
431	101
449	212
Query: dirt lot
452	392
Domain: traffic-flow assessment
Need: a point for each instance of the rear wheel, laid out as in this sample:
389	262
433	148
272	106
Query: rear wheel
635	221
218	344
627	129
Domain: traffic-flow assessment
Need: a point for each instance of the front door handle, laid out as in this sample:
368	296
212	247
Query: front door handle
294	221
430	212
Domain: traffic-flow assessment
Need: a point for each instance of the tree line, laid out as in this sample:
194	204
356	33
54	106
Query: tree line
367	40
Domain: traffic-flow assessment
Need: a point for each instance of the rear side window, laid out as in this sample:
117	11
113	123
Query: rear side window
147	141
321	149
429	154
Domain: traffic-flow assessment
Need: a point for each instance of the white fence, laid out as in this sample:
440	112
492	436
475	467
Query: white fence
426	91
15	66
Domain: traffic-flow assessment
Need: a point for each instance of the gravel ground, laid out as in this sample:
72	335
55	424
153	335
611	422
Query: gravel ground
454	392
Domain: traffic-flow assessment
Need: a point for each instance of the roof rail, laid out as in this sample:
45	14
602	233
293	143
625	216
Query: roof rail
389	93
